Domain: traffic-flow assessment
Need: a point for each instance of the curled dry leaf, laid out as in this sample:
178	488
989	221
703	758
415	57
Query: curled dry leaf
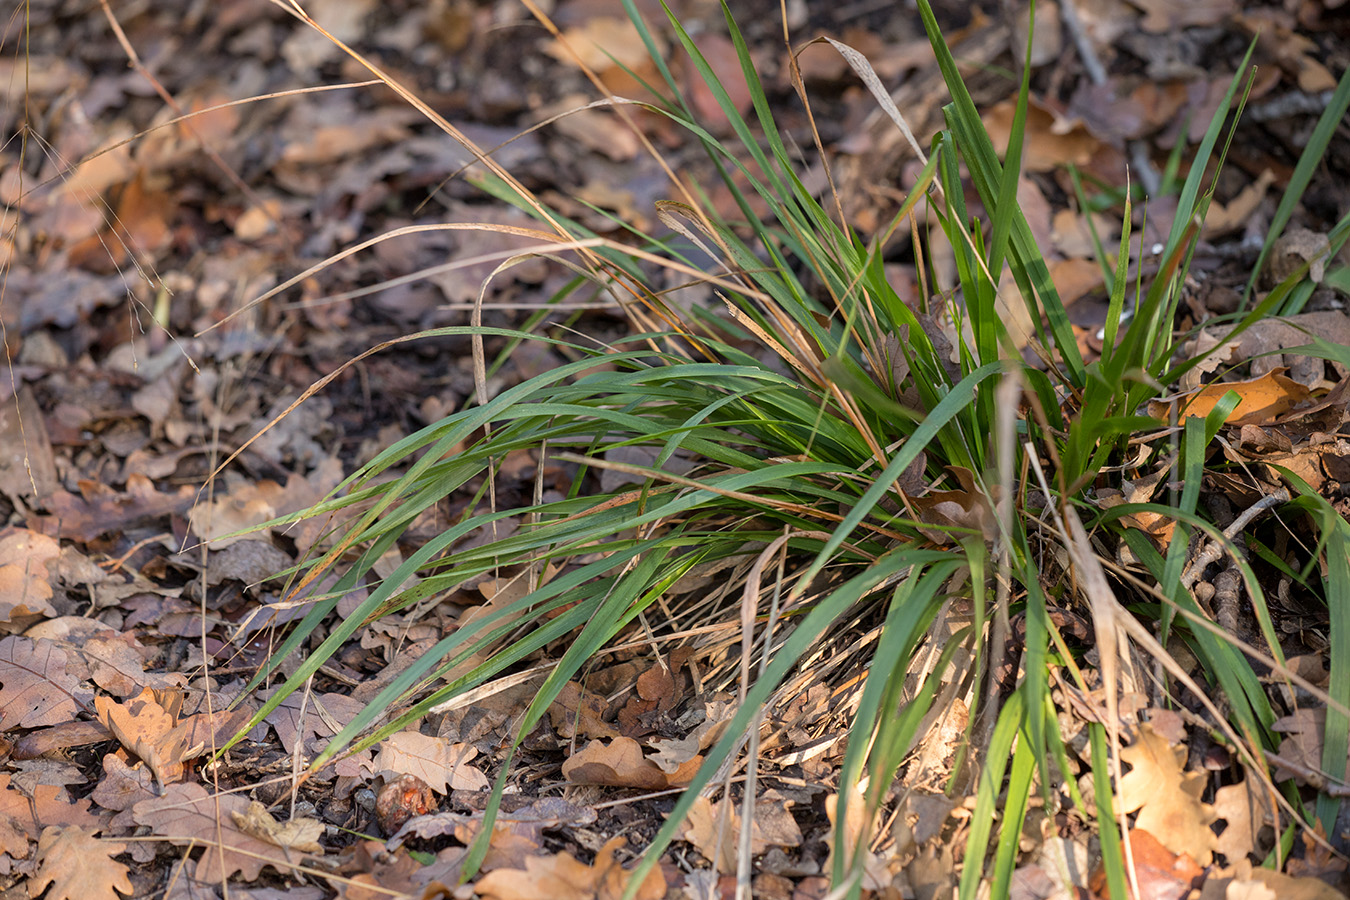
562	877
299	833
621	764
78	866
145	727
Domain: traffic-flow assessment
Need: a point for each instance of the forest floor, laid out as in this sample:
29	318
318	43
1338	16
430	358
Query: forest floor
140	358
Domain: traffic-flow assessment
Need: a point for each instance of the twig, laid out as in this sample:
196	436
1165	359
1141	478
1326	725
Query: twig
1214	550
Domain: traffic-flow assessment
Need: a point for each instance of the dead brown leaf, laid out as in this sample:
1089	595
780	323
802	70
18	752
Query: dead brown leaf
121	788
1264	399
577	711
1161	874
189	816
299	833
876	869
148	726
25	583
714	828
1302	745
100	509
1263	342
1044	148
76	865
621	764
607	45
1247	882
562	877
1166	15
1225	218
1246	807
24	816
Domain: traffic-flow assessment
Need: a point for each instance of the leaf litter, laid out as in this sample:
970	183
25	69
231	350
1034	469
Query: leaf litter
121	402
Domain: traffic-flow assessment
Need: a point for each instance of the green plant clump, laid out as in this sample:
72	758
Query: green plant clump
808	407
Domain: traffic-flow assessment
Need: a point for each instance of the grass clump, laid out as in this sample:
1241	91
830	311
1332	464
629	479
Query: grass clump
814	408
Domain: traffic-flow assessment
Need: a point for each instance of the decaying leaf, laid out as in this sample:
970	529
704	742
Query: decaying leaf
577	711
1160	873
78	866
1263	342
100	508
1167	797
714	828
405	798
562	877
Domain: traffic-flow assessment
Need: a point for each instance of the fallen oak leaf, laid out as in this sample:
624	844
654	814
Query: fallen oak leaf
1167	797
99	508
562	877
434	760
714	829
578	711
78	866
